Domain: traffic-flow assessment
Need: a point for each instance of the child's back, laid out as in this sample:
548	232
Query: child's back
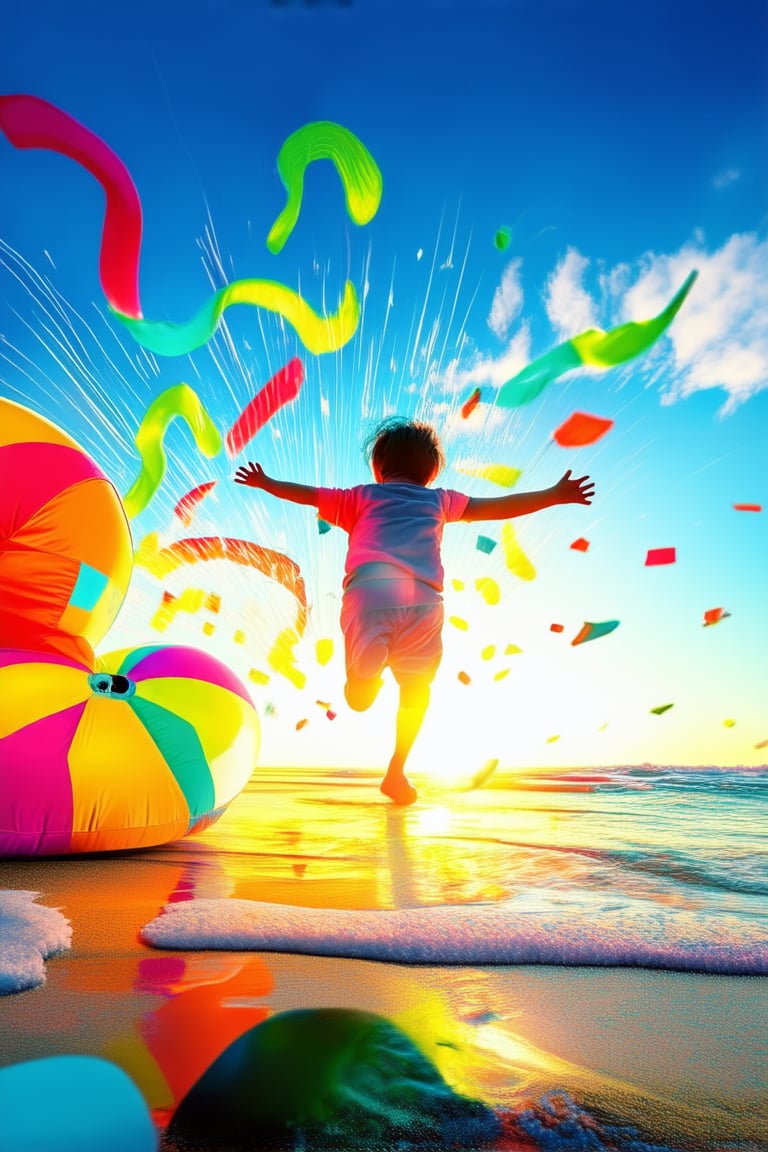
392	607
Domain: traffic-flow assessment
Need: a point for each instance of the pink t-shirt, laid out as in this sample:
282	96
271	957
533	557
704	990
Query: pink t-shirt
397	523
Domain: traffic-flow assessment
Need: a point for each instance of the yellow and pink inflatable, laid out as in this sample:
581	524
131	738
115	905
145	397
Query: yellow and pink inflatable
130	750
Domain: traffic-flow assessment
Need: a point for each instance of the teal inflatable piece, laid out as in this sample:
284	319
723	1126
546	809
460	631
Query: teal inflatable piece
72	1104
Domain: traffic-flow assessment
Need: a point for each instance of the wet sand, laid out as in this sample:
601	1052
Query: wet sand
680	1056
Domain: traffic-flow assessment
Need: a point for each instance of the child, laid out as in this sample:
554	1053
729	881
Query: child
392	607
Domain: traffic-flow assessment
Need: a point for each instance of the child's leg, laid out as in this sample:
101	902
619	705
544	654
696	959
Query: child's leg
360	694
414	701
417	652
365	650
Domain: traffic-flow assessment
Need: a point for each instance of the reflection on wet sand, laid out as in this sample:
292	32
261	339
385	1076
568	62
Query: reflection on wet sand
677	1055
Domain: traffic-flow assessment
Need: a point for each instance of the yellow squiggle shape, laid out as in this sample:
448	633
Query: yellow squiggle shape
178	400
318	333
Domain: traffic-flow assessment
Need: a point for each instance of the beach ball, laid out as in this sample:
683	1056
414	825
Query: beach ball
66	555
73	1104
151	745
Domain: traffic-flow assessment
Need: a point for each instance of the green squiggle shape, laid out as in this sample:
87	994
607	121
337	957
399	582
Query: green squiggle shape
357	169
604	349
178	400
594	347
318	333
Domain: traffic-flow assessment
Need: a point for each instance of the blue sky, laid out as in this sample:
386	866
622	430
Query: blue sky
622	147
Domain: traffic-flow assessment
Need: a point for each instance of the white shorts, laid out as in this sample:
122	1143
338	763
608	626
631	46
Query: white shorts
384	628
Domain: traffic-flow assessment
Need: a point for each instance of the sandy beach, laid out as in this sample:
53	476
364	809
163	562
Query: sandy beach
680	1056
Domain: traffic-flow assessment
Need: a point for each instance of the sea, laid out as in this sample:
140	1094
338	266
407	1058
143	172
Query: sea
596	937
657	866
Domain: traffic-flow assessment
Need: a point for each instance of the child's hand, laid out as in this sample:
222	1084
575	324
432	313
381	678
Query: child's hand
253	475
570	491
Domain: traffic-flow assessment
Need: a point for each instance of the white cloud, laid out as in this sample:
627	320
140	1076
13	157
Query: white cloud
725	177
719	337
490	370
508	300
569	306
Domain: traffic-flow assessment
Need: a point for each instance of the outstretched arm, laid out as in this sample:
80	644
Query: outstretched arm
254	476
566	491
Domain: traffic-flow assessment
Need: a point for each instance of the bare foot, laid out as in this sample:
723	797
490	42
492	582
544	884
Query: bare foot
398	790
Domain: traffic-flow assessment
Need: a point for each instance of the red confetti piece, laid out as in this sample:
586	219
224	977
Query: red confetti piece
580	545
331	714
282	388
660	556
580	429
469	406
557	627
748	507
185	506
714	616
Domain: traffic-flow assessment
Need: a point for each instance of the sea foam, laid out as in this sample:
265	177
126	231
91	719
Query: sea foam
29	934
535	928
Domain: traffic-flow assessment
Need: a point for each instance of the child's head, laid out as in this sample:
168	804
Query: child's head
406	449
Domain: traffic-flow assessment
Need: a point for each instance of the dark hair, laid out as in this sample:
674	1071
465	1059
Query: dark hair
401	447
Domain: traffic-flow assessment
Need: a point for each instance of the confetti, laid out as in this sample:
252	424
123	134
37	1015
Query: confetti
515	558
503	238
502	474
458	622
469	405
323	650
185	507
488	589
714	616
658	556
485	544
592	631
581	429
280	390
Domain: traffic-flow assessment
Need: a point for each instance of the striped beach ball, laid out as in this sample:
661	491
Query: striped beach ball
152	745
65	545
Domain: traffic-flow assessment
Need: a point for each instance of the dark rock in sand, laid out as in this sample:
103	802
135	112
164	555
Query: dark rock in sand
326	1079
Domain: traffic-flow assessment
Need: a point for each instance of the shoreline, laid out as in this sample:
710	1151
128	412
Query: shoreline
678	1055
675	1054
